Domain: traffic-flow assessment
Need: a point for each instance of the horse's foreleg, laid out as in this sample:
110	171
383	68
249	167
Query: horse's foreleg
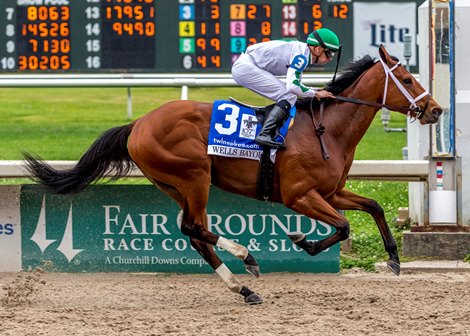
208	254
314	206
347	200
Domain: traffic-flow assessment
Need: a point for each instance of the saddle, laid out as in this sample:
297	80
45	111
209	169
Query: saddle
260	111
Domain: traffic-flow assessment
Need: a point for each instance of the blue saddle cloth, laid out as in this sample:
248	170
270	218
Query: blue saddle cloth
233	130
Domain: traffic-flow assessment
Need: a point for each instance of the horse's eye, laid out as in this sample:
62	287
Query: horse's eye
407	81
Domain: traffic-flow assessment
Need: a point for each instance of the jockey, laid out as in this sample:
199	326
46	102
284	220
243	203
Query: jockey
257	68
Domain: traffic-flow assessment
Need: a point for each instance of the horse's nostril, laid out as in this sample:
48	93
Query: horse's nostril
436	112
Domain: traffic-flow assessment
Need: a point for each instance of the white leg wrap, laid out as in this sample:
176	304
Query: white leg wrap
237	250
232	282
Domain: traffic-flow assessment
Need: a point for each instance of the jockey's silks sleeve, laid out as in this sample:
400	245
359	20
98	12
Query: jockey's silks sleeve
294	77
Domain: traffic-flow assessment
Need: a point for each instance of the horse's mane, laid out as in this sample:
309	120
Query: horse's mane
349	74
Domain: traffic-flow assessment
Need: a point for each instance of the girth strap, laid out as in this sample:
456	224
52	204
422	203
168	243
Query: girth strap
265	176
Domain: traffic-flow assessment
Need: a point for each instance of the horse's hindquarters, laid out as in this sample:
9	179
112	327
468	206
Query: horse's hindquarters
170	143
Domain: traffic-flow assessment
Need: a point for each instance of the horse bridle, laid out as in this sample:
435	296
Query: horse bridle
419	112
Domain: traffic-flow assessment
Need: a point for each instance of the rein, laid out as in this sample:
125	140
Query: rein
320	129
416	109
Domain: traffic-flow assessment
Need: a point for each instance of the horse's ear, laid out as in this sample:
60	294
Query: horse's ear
384	55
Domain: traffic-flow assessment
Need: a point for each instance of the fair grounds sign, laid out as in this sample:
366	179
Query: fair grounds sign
118	228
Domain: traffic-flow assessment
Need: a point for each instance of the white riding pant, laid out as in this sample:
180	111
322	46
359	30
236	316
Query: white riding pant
246	73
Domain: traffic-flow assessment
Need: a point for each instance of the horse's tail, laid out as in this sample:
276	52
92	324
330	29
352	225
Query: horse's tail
108	154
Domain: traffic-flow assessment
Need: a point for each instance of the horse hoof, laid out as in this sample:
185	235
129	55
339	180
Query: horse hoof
393	266
251	265
253	269
296	237
253	299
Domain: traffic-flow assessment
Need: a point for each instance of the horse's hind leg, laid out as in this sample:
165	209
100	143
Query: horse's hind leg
207	251
195	197
208	254
347	200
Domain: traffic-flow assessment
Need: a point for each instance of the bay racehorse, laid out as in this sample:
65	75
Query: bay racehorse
169	145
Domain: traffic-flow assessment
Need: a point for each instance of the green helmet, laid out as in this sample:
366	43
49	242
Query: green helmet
325	38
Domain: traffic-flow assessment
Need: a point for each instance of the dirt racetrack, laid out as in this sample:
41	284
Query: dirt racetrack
351	304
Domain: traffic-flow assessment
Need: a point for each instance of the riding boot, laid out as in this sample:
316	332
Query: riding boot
275	119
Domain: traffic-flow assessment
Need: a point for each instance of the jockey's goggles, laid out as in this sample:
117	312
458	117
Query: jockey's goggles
328	53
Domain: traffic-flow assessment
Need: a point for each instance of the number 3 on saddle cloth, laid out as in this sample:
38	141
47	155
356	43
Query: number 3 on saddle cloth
234	127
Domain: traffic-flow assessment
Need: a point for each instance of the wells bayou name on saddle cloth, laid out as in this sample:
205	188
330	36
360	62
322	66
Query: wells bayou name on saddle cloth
233	130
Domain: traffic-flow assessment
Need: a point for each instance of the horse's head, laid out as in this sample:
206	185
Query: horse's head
402	89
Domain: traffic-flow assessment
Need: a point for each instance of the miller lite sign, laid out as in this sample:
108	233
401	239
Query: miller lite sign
384	23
